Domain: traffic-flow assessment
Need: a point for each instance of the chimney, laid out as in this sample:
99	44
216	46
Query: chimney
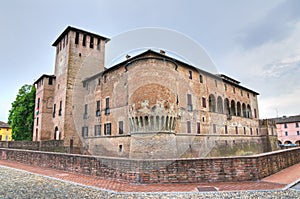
162	52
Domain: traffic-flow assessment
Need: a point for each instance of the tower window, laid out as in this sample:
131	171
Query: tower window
107	129
214	128
37	121
297	124
60	108
198	127
77	38
98	44
244	130
98	108
286	133
85	131
121	131
190	74
107	109
91	42
203	102
120	148
225	87
188	127
285	126
251	131
84	40
50	82
189	104
201	78
97	130
54	110
236	130
85	114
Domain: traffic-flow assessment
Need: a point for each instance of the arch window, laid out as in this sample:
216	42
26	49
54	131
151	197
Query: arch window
248	111
226	106
244	110
212	103
232	108
239	109
220	105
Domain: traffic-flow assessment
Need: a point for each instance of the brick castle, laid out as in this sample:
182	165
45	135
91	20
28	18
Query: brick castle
149	106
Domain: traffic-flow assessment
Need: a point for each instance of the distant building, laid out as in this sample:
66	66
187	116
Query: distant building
288	129
5	132
149	106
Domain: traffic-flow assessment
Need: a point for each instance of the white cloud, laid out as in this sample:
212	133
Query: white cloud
274	69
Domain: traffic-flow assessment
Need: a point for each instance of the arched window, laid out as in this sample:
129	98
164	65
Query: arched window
220	105
56	133
244	109
232	108
226	106
212	103
249	115
239	109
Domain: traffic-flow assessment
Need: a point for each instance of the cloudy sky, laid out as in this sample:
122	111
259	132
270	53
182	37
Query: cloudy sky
256	42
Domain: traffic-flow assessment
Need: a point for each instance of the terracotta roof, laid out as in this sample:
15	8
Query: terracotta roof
4	125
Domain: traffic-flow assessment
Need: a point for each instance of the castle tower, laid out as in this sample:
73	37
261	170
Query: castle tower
43	108
79	54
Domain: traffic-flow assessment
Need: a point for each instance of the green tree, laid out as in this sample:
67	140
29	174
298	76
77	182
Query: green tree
21	114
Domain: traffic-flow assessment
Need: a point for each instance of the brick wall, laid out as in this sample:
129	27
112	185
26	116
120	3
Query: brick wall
242	168
49	145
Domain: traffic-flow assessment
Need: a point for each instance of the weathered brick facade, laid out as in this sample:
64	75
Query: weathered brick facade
148	106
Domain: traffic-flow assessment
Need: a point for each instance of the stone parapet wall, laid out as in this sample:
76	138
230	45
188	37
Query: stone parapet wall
49	145
243	168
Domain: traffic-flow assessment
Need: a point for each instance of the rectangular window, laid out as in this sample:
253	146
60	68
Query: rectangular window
214	128
241	92
285	126
91	42
298	132
248	95
216	83
255	114
98	108
188	127
297	124
226	129
50	82
97	130
256	131
60	108
286	133
201	78
225	87
38	103
54	110
121	127
37	121
107	109
233	88
236	130
203	102
85	114
84	40
85	131
120	148
98	44
77	38
244	130
198	128
190	74
107	129
189	102
251	131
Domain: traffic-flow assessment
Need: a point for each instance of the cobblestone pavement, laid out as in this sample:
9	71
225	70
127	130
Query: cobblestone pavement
22	184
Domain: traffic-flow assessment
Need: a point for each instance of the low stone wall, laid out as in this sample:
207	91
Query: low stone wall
49	145
245	168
